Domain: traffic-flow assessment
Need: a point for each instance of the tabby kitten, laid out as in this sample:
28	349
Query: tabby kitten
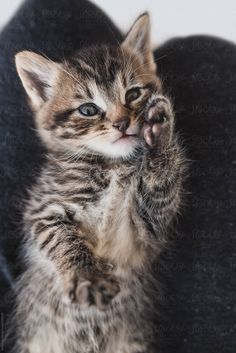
99	213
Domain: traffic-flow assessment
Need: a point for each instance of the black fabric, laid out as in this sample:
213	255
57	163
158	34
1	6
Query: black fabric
198	306
200	74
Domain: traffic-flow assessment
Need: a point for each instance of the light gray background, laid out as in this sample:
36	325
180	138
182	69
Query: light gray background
169	17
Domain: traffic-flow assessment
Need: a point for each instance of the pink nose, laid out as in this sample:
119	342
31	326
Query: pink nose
122	125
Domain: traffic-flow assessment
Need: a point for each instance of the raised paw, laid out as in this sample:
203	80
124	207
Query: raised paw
94	290
158	121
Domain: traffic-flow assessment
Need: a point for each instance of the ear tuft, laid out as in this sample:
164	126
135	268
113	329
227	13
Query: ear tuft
138	40
38	75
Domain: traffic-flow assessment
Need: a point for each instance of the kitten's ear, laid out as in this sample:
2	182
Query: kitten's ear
138	39
38	75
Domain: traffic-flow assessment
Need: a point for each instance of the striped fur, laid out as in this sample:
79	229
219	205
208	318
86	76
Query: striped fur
100	211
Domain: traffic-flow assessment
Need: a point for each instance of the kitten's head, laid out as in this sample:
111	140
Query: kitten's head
96	100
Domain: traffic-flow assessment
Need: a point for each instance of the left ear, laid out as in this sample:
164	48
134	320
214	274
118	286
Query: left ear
138	40
38	76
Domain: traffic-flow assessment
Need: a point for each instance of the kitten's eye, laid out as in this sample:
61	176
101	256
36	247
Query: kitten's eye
132	94
88	109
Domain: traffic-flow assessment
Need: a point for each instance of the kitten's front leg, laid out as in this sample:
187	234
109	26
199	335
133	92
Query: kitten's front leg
158	127
92	289
160	181
86	279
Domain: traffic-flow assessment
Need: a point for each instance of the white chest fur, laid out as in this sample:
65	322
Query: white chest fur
119	229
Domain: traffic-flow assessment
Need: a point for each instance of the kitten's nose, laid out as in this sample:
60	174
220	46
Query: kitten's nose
122	125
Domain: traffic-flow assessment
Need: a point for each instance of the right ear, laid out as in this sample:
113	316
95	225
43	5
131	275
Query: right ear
37	75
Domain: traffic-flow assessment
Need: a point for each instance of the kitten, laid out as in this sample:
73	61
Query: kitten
99	213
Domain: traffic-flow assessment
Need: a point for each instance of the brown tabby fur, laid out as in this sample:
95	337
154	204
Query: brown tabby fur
100	211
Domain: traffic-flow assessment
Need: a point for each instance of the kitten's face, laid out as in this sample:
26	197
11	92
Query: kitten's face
100	105
95	101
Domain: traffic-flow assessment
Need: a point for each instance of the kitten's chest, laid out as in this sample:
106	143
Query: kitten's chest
112	222
118	228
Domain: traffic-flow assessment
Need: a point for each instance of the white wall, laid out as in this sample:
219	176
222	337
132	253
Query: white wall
7	8
169	17
177	17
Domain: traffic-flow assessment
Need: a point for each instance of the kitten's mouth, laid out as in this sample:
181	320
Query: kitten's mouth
126	137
